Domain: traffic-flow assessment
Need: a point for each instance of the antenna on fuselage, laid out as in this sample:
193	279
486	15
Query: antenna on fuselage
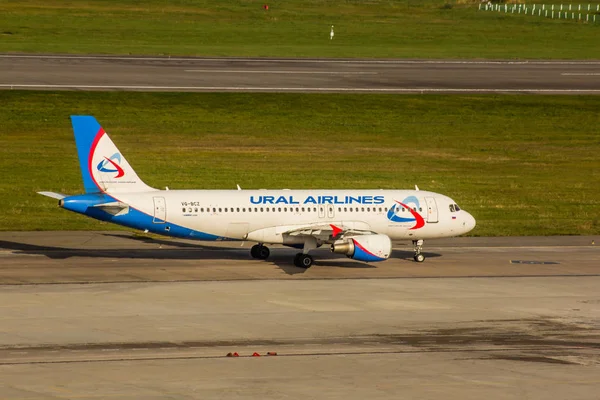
238	186
416	187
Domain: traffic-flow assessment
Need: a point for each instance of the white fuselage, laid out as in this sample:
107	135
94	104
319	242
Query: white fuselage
263	215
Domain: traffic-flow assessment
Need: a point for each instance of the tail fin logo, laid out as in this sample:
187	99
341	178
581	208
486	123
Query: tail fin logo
110	165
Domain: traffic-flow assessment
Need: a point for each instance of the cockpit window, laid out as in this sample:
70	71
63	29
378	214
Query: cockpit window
452	208
456	207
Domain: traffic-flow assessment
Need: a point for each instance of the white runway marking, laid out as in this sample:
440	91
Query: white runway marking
246	71
581	74
316	61
292	89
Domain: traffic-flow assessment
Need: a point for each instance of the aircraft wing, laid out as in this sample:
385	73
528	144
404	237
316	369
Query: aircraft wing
326	232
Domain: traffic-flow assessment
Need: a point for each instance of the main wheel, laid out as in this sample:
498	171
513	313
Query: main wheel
419	257
263	252
303	260
254	251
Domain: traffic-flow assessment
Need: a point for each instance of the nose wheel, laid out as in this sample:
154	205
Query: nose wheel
260	251
418	246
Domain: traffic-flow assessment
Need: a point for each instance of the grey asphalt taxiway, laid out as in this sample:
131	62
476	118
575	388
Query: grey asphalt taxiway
64	72
114	315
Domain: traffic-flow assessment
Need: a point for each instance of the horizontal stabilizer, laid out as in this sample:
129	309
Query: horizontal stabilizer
57	196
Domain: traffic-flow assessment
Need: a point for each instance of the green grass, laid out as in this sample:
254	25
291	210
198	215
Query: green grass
294	28
522	165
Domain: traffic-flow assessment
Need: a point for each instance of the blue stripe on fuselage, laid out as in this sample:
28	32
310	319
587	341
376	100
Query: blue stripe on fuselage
84	204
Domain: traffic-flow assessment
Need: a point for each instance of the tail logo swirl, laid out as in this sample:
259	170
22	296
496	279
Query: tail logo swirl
111	164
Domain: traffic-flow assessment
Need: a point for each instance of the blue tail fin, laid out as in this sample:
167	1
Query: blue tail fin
103	168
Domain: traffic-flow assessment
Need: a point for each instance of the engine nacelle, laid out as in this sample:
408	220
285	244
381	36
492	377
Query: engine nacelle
364	247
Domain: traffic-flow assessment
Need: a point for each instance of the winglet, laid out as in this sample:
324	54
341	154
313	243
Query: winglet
336	230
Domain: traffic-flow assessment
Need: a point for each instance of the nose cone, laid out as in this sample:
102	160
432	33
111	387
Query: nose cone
468	222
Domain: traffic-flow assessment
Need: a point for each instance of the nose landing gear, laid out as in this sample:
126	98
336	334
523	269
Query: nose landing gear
418	246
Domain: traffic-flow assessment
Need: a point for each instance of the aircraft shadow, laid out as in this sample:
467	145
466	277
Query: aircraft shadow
280	257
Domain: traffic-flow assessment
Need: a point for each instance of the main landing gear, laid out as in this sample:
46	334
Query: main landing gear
301	260
418	245
260	251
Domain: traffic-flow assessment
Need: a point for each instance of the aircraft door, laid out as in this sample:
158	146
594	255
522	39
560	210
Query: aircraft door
330	211
160	210
432	211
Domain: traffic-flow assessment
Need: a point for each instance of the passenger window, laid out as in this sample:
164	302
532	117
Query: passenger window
219	210
261	209
243	210
196	209
345	209
183	209
285	209
302	209
420	209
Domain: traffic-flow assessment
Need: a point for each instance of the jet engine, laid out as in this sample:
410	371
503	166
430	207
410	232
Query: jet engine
364	247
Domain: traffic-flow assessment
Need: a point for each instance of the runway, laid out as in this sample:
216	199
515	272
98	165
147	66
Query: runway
93	257
55	72
115	315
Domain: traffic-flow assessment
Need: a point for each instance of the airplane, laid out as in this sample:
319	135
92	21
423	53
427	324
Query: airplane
360	224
